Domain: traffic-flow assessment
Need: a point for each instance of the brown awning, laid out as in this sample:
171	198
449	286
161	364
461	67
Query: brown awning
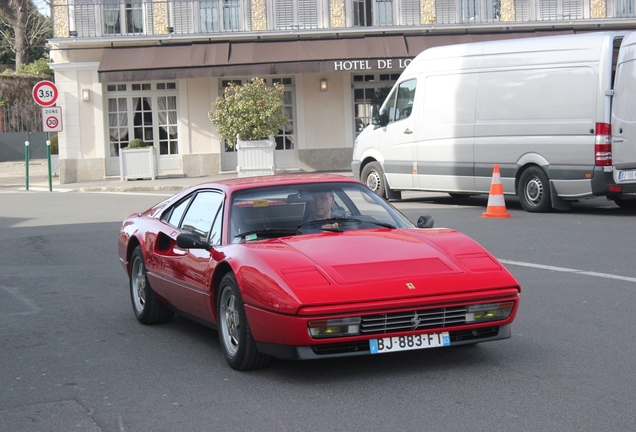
266	57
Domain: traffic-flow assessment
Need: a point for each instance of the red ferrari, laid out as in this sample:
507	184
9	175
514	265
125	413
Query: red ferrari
311	266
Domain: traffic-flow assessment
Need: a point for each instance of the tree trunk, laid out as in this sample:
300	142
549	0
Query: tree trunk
16	13
20	29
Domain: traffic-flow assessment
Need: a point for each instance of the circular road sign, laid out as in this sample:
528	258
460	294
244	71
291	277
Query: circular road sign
45	93
51	122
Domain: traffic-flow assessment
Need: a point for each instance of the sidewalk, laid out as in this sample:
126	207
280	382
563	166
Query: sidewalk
13	178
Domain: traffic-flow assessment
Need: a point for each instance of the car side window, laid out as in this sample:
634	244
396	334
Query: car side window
202	213
405	99
174	216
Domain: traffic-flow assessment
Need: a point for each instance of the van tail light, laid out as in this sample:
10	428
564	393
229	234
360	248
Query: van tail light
603	145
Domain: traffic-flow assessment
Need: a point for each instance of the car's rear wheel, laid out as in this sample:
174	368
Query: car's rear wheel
147	307
236	338
534	191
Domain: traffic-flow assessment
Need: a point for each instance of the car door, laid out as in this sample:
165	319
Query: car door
396	141
624	113
187	272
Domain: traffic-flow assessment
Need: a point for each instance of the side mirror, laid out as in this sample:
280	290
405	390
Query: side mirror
379	119
192	241
425	222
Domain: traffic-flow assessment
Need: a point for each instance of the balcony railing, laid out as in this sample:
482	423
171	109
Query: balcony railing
109	18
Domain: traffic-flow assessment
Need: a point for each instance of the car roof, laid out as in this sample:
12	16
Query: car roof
278	179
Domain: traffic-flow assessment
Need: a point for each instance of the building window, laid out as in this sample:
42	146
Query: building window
480	10
150	116
117	125
167	122
362	16
122	18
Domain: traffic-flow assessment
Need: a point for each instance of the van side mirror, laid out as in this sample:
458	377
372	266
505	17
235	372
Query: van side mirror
379	119
425	221
192	241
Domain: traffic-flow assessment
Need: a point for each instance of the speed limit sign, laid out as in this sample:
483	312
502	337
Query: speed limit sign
52	119
45	93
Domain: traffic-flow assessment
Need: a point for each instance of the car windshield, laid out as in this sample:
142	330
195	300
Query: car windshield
288	210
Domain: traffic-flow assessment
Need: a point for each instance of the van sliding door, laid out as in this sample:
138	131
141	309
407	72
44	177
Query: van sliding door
624	113
445	135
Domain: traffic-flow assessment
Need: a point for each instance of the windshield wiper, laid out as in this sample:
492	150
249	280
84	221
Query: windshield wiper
335	220
328	221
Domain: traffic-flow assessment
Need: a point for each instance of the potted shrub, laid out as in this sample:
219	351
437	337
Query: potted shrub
137	161
252	114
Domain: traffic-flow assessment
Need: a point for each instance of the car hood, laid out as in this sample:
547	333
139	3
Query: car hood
351	266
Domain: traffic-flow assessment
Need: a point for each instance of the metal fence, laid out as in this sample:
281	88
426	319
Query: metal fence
108	18
16	119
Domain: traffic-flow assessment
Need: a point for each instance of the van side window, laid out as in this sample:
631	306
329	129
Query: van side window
400	107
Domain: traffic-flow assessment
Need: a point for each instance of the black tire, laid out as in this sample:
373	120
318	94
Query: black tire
237	343
534	191
625	204
373	177
457	195
147	307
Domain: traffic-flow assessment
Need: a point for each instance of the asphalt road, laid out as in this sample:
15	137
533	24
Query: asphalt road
73	357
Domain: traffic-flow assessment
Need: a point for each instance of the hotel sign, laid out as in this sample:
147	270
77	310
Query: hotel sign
379	64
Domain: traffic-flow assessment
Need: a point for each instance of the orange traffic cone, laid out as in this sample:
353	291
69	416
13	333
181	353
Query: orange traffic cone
496	204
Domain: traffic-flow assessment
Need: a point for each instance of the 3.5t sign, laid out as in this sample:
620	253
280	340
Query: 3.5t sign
45	93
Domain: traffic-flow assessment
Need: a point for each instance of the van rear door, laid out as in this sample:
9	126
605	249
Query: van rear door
624	113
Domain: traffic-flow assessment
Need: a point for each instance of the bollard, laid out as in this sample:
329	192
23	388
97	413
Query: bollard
26	162
48	157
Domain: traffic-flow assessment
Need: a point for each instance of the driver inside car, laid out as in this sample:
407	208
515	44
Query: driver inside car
322	208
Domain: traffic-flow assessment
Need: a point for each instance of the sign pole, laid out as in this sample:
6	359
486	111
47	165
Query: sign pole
48	157
26	162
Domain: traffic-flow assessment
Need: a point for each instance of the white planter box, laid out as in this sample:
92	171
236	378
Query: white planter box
255	157
55	165
137	163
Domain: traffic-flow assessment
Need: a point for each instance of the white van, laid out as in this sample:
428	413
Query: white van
557	113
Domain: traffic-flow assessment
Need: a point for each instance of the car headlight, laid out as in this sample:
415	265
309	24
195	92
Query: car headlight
334	327
489	312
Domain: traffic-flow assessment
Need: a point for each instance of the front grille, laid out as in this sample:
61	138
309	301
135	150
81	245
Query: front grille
413	320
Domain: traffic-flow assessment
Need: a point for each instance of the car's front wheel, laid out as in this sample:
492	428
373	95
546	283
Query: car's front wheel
147	307
373	177
236	338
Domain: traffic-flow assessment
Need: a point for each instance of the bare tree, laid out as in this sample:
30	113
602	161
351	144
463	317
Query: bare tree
24	29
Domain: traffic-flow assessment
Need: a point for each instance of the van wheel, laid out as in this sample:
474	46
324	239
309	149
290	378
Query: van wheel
373	177
534	191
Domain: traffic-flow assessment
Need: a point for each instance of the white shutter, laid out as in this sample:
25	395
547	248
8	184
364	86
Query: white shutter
410	12
548	9
445	12
84	14
572	9
308	13
522	10
285	15
182	16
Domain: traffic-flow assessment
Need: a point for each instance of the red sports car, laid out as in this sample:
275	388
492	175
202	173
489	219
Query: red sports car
311	266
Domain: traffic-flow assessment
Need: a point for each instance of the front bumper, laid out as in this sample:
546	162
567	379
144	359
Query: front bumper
347	349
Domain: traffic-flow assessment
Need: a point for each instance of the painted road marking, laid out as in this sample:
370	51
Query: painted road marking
569	270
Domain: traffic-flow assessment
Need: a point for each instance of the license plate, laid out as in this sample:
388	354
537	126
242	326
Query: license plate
411	342
626	175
